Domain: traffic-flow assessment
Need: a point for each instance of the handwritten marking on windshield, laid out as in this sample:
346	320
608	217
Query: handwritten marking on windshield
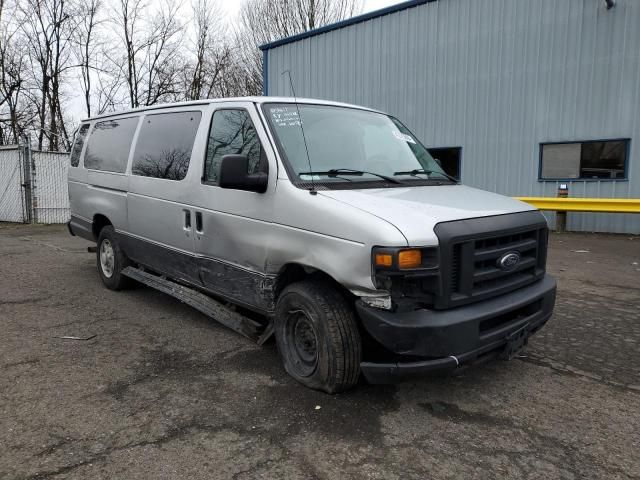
403	136
283	117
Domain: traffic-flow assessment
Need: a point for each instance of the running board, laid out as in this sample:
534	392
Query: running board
203	303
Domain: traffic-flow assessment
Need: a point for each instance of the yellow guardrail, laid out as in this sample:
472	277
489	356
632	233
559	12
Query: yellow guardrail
609	205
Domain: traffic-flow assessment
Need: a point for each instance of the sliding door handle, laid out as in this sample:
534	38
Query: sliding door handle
199	222
187	219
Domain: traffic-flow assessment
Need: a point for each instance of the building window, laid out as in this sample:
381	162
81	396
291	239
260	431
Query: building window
164	145
449	159
589	160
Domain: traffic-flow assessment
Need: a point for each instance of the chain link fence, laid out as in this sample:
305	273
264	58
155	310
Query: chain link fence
12	199
50	190
33	185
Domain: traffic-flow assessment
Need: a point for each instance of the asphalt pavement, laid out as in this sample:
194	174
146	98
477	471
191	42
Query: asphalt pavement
153	389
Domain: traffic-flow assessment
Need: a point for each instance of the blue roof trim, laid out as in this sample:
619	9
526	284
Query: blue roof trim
345	23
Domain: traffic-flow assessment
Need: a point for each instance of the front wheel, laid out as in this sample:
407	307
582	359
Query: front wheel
317	336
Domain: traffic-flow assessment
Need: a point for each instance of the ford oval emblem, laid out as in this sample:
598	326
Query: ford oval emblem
509	261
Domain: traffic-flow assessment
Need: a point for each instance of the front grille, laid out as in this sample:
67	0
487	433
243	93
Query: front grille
455	267
470	250
475	271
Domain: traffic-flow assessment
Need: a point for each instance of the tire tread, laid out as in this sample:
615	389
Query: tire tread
117	280
342	330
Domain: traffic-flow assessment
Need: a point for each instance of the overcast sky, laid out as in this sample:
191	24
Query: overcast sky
75	105
370	5
232	6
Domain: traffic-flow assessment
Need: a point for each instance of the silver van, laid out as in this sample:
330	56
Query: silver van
326	225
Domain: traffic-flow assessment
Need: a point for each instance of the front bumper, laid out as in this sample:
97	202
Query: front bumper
449	338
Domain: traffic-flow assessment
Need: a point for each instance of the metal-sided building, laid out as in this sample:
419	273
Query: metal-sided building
514	96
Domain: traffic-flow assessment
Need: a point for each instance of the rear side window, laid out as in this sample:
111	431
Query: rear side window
165	141
109	145
232	133
78	143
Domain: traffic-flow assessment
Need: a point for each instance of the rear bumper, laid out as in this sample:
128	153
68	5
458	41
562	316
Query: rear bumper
81	227
448	338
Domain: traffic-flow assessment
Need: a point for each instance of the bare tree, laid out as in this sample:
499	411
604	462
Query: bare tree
13	62
109	54
263	21
202	20
46	27
212	53
109	92
162	58
85	45
129	19
150	67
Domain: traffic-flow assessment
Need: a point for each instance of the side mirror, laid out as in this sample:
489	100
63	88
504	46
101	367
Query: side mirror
438	161
233	174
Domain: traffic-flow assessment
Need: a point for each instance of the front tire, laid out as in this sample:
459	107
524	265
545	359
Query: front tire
317	336
112	260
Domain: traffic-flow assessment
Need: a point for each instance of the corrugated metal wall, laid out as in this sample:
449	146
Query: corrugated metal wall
497	77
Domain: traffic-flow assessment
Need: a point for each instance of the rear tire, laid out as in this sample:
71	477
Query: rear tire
317	336
112	260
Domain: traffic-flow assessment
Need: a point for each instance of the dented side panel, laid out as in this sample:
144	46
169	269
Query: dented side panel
320	232
246	234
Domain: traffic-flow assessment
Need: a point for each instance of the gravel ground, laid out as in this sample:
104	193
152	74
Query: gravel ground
163	392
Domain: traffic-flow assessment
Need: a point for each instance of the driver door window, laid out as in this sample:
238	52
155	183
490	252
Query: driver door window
232	133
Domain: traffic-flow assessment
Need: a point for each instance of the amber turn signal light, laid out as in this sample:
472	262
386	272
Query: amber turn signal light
409	259
384	260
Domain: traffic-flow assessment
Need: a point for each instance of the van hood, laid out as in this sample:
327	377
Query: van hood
416	210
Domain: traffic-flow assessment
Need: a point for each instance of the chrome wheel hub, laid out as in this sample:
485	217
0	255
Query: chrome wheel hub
107	258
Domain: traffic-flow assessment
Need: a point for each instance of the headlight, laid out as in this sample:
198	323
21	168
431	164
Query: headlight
409	259
383	303
404	259
408	274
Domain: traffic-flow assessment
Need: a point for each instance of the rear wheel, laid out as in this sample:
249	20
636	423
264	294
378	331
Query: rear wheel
112	260
318	337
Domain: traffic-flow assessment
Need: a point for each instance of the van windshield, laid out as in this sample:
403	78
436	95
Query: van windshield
347	145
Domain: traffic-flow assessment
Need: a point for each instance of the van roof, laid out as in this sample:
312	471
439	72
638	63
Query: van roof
258	100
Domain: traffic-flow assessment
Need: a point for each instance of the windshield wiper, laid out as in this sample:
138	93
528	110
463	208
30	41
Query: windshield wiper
334	172
419	171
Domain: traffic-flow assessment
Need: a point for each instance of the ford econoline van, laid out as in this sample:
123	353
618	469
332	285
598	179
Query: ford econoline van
326	225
